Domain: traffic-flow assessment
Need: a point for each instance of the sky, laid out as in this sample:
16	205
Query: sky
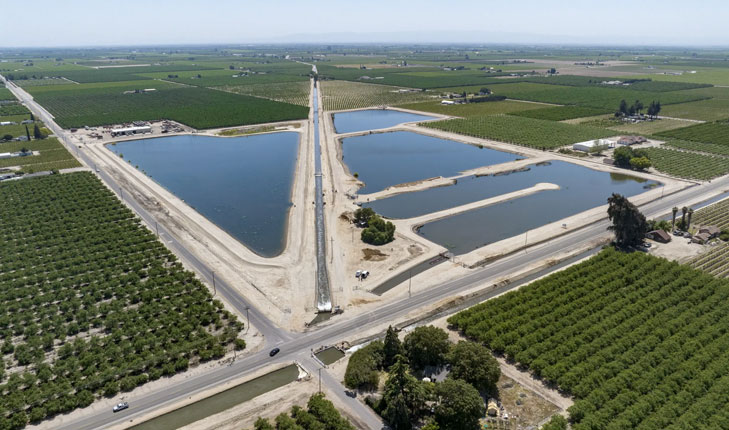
51	23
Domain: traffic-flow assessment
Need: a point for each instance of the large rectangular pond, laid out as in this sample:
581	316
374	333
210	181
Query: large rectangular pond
385	159
373	119
242	184
581	188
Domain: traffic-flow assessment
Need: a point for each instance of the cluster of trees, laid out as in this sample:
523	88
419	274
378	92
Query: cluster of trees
638	340
320	414
376	231
457	401
93	303
630	158
637	108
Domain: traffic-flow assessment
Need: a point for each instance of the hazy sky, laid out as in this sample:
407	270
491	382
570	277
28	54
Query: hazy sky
135	22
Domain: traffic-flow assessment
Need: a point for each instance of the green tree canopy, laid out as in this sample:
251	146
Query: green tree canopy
473	363
404	396
378	231
629	225
262	424
459	405
327	414
363	365
363	214
558	422
426	346
392	348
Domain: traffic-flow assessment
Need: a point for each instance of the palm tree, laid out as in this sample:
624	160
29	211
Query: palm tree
684	210
673	221
688	225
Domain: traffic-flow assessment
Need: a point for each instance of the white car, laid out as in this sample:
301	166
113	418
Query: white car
120	407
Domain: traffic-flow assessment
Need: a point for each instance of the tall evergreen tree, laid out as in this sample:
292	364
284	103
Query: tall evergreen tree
393	347
629	225
27	132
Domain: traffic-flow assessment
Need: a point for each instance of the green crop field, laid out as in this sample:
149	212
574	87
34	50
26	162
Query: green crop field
92	303
52	155
632	84
561	113
596	97
340	95
705	110
709	148
288	92
715	261
715	214
710	132
536	133
412	77
473	109
197	107
13	108
640	342
688	165
643	127
5	94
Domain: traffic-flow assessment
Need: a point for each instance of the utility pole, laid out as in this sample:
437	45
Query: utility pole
156	227
320	380
215	291
121	193
331	251
248	320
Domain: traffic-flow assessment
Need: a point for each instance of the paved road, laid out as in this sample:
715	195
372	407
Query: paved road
298	346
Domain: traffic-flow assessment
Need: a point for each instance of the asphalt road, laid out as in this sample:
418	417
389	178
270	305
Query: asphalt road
297	347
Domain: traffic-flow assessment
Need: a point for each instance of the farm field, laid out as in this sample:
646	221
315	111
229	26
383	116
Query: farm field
643	84
341	95
631	336
561	113
715	261
5	94
535	133
52	155
596	97
715	214
197	107
705	110
644	127
710	132
688	165
473	109
92	303
709	148
296	93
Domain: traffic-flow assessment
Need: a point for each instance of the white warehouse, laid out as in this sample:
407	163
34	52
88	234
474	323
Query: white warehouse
589	144
126	131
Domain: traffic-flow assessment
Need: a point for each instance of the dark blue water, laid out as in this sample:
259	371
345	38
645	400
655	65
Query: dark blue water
581	189
386	159
242	184
373	119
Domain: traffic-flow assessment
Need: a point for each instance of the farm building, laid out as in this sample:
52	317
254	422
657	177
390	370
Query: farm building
128	131
659	236
8	123
447	102
4	155
701	238
712	230
631	140
590	144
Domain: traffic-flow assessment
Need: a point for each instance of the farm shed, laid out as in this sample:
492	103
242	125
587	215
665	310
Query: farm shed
712	230
631	140
589	144
659	236
126	131
700	238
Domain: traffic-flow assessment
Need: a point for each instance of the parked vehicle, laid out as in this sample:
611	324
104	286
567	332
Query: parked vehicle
274	351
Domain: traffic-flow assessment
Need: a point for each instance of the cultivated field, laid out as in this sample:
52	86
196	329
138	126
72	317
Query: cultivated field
630	335
688	165
710	132
473	109
536	133
340	95
52	155
92	303
296	93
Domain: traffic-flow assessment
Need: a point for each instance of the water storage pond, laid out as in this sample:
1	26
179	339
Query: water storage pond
385	159
581	189
373	119
242	184
221	401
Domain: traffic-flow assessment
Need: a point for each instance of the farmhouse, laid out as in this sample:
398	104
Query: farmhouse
631	140
700	238
712	230
590	144
127	131
659	236
447	102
